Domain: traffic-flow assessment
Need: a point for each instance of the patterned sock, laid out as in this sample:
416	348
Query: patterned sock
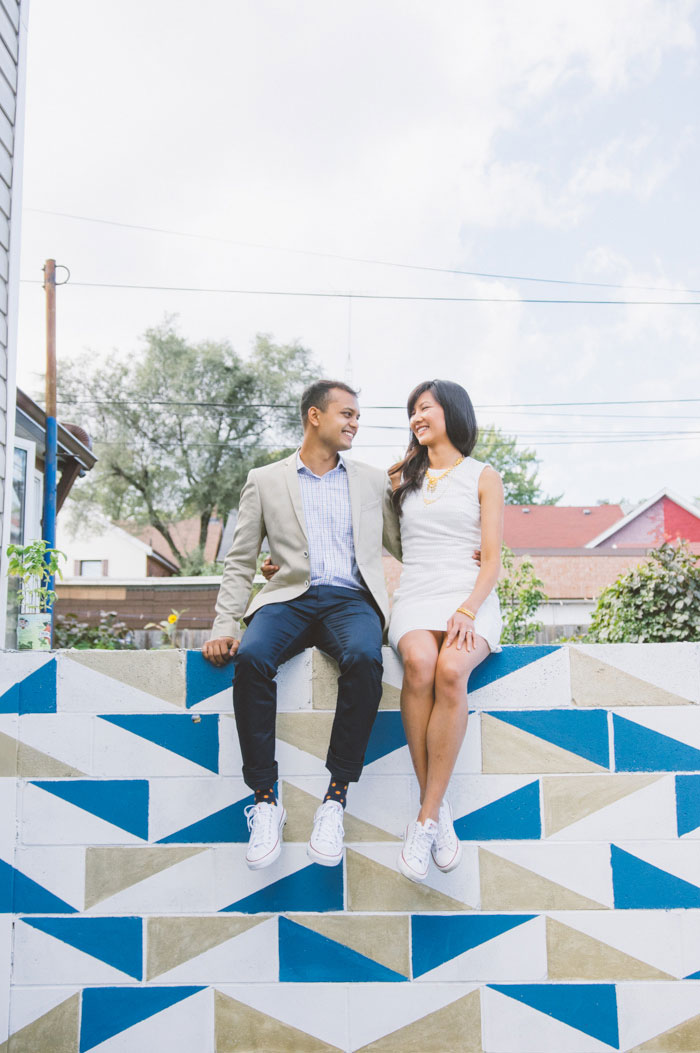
266	796
337	791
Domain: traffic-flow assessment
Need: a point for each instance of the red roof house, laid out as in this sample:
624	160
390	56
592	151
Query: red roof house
533	527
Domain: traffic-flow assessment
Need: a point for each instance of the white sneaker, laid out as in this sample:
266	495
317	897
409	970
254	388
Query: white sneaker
326	842
265	822
447	847
414	857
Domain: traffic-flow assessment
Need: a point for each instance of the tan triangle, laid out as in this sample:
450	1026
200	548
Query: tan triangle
574	955
507	750
33	764
301	808
568	799
508	886
596	683
310	732
239	1029
57	1031
382	938
374	887
172	941
158	673
455	1027
684	1038
110	869
391	697
8	755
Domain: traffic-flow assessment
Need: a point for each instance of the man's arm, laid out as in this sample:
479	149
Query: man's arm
239	569
391	538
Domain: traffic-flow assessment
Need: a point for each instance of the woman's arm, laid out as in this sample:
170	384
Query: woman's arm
492	502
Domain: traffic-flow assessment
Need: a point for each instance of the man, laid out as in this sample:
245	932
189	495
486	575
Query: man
325	519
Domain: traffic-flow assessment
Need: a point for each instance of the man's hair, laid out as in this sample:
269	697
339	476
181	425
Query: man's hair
319	393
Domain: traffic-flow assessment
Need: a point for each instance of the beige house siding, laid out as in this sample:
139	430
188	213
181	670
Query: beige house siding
13	42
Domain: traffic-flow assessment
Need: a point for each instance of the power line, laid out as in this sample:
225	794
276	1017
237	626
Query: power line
393	446
367	296
354	259
505	406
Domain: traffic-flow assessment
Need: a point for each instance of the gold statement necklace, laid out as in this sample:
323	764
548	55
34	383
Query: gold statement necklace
430	494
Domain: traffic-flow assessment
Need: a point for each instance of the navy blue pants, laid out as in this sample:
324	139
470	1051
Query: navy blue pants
343	623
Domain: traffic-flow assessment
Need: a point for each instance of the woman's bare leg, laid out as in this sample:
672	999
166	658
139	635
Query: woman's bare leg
447	724
419	652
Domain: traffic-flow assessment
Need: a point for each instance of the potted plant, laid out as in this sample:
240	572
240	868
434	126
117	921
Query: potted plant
34	564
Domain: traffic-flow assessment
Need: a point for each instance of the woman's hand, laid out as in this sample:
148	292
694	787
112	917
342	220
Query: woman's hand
269	569
460	627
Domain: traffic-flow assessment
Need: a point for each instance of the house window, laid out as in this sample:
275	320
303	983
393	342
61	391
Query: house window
19	496
91	568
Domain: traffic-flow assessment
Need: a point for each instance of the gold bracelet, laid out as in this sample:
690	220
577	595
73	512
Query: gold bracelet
469	614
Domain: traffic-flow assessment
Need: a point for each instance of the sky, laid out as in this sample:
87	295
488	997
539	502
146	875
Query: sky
548	140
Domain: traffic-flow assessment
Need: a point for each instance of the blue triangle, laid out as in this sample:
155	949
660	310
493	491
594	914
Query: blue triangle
639	749
590	1008
687	803
436	939
107	1011
513	817
36	693
123	802
693	976
584	732
202	679
637	885
509	660
20	895
313	888
196	742
116	941
226	826
309	957
387	735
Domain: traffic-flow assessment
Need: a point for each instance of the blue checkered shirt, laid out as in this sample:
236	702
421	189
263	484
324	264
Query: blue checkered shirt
328	516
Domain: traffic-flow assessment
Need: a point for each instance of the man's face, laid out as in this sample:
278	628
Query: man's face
338	423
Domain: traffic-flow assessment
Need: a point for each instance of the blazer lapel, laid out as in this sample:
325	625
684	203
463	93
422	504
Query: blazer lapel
295	492
355	499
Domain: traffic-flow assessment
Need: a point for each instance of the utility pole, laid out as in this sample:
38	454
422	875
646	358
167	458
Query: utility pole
49	518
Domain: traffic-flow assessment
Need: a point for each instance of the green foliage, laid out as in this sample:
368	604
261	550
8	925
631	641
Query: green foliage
656	602
110	634
34	564
168	627
520	593
517	467
194	565
177	426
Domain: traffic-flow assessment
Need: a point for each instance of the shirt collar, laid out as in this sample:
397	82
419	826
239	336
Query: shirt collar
301	467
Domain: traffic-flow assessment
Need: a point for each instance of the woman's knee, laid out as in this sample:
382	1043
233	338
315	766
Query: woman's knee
452	672
419	666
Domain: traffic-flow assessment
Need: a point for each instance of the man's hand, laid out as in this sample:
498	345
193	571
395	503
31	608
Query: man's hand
476	556
269	569
221	650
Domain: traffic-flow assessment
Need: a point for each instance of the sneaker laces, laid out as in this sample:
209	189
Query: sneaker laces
329	824
419	840
445	835
260	819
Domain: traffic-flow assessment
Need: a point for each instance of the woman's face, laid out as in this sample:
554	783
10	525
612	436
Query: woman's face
427	422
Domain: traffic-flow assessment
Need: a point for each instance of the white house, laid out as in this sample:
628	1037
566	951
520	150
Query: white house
97	548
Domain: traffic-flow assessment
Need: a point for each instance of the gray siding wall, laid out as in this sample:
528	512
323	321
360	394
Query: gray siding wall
9	59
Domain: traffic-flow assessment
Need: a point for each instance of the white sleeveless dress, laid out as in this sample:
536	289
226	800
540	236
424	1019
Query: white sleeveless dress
438	573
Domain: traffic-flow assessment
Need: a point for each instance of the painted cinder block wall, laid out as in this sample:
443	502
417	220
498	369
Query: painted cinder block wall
130	922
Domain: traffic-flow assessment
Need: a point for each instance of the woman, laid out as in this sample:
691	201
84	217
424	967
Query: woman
446	617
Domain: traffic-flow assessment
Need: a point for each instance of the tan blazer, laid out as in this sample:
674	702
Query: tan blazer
271	504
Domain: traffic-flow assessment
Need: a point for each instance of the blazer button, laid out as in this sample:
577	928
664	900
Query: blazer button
306	555
306	582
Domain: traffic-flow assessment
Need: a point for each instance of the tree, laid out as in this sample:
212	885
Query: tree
178	425
656	602
518	468
520	593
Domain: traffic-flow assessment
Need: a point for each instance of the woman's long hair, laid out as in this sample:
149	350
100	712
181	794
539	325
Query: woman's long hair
461	427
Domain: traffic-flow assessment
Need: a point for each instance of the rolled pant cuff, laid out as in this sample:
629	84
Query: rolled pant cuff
345	770
260	779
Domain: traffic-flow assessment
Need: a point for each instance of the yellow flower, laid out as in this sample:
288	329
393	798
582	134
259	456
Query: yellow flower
172	618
